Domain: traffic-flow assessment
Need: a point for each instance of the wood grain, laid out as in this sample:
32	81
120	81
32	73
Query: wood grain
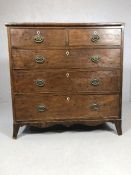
58	81
84	36
24	38
67	93
77	58
79	106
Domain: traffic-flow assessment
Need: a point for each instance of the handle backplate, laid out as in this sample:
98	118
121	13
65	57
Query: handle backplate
95	58
39	82
95	82
41	108
94	107
40	59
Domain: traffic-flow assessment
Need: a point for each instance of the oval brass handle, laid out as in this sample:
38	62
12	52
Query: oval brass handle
95	37
95	107
95	82
95	59
40	83
41	108
40	59
38	38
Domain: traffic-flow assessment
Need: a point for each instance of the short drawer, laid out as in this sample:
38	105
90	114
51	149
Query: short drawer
72	58
37	38
66	81
95	36
47	107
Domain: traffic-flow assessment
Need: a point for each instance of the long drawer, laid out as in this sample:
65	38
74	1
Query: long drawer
73	58
47	107
66	80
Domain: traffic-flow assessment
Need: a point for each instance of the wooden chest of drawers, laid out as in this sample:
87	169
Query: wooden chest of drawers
66	73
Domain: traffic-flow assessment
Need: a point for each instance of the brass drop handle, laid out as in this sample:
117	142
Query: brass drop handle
94	107
95	82
41	108
95	59
39	82
40	59
95	37
38	38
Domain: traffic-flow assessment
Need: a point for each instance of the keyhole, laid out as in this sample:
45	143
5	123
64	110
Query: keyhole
67	53
38	32
67	75
68	98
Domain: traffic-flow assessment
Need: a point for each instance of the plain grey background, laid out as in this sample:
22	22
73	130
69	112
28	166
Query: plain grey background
95	152
63	11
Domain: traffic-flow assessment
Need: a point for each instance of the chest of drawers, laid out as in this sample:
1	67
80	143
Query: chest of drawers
66	73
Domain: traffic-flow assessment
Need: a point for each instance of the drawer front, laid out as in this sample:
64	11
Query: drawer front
37	38
79	37
66	81
73	58
45	107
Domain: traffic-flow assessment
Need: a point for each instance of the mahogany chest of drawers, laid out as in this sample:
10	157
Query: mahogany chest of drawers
66	73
